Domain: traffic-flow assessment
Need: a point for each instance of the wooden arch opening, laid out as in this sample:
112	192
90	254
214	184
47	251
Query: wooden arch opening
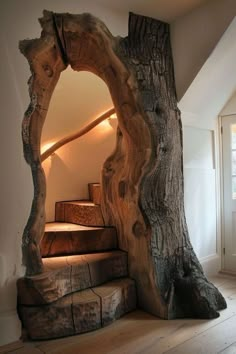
142	181
77	136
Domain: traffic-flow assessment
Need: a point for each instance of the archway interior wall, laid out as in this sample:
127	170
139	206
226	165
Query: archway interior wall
78	99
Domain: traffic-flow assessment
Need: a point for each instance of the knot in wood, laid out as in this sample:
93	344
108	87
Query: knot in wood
138	229
48	70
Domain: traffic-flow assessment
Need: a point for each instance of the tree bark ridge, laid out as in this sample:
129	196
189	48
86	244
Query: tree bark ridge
178	275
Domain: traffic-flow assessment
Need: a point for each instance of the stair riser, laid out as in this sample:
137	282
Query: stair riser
73	314
88	215
51	286
78	242
62	318
114	305
95	193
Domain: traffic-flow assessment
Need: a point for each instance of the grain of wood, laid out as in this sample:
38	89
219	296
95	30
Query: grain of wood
11	347
117	297
143	192
64	275
80	212
81	311
142	181
30	349
86	311
65	238
142	333
95	192
108	266
49	321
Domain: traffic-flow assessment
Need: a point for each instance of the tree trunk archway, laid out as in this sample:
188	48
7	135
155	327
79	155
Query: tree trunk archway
142	181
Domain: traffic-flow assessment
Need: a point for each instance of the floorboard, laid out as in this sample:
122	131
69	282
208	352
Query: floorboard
141	333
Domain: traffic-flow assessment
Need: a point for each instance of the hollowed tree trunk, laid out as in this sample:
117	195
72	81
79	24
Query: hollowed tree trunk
145	196
143	178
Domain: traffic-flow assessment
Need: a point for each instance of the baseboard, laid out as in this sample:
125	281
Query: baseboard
211	264
229	273
10	327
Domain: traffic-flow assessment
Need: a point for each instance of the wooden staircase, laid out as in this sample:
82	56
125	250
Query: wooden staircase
85	283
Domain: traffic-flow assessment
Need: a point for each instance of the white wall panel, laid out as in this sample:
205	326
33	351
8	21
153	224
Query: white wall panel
200	191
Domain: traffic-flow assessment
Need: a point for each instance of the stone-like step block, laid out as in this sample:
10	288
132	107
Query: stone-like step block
95	192
83	212
117	297
64	239
64	275
80	312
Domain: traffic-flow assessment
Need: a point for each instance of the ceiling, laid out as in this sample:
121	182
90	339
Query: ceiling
165	10
215	82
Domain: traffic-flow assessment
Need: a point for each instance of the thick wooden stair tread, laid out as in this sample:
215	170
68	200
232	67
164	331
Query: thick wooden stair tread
80	202
66	238
84	287
63	275
83	212
81	311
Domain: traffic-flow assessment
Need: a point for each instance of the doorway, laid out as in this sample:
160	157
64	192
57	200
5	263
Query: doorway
229	191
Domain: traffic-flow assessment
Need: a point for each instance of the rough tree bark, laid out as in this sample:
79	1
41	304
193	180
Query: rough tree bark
142	180
170	278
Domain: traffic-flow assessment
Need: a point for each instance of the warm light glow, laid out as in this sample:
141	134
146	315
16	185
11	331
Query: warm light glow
46	146
103	127
113	121
47	164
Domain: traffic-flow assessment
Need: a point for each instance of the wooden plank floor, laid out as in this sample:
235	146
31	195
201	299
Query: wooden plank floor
141	333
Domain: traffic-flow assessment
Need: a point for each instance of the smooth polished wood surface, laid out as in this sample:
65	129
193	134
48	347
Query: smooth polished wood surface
141	333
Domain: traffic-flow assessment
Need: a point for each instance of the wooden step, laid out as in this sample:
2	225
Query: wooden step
65	238
81	311
63	275
95	192
83	212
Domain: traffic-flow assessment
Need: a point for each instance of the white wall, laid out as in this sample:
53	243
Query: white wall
200	194
200	199
194	42
230	107
195	35
72	167
78	98
215	82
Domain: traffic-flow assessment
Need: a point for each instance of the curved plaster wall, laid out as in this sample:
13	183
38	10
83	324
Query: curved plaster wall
78	99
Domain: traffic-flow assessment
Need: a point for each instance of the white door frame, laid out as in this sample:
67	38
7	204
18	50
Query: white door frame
221	185
221	193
